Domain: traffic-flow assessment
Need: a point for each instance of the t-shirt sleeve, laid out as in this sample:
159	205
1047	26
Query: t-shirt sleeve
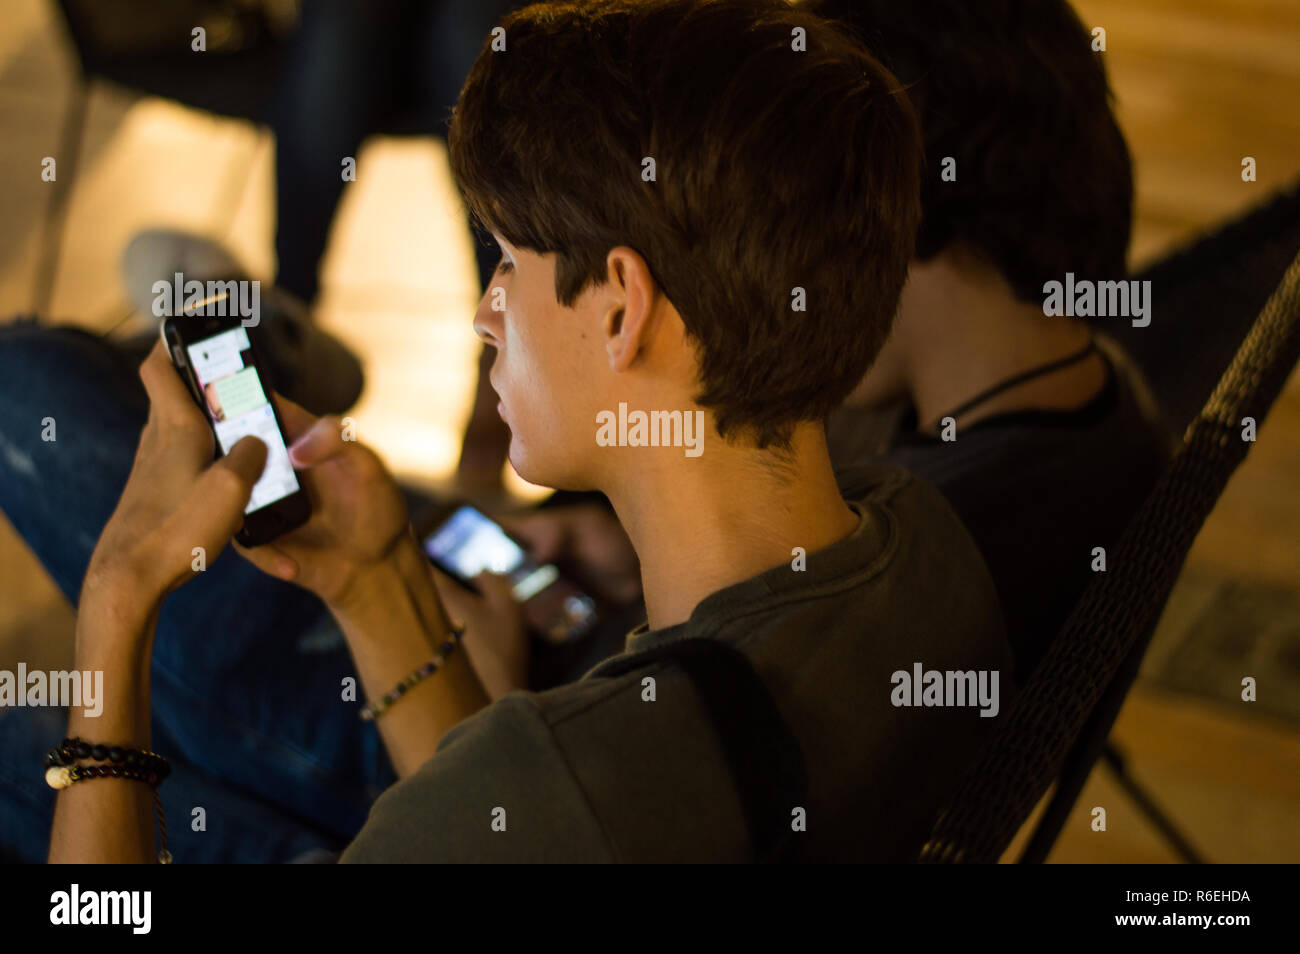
498	789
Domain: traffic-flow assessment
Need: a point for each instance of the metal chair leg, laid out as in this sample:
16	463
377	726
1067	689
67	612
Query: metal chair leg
1117	763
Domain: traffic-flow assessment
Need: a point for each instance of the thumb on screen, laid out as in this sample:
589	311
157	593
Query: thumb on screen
496	589
214	509
542	531
222	491
320	442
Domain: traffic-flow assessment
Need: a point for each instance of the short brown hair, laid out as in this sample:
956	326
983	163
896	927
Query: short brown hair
1012	90
775	168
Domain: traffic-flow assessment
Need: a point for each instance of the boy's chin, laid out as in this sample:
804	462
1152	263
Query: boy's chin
543	472
526	465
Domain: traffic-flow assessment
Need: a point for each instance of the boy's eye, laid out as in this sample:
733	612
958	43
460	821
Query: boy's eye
504	266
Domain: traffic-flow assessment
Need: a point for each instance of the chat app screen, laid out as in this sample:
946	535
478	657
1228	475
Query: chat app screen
238	407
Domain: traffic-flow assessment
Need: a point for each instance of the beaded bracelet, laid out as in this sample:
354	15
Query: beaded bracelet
71	751
63	768
79	772
377	708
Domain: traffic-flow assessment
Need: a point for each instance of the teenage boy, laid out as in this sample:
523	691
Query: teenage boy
1042	442
688	224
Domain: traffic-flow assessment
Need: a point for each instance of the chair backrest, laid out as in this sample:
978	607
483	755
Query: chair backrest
1093	661
1206	296
1209	292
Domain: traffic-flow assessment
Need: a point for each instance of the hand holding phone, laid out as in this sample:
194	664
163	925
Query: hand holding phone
359	517
496	633
463	542
177	503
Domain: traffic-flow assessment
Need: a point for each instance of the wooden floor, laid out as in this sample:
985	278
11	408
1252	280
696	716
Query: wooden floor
1200	84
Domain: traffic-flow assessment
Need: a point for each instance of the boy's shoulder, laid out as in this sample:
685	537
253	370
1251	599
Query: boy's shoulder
498	790
628	763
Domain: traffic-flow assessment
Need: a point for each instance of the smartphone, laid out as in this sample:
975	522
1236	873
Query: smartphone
215	357
464	542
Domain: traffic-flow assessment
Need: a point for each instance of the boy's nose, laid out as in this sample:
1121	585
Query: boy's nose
487	321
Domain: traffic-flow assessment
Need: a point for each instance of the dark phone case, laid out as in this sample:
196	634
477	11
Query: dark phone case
288	513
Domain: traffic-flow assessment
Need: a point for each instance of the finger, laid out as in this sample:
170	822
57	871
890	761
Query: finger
215	507
543	532
297	420
222	491
322	441
271	560
452	591
443	580
247	459
168	396
459	603
497	590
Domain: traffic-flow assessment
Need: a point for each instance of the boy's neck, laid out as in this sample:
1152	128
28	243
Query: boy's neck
967	332
702	524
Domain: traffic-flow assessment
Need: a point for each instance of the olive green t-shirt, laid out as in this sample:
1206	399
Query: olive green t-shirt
597	770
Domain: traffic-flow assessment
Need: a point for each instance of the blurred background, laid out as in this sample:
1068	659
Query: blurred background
1199	84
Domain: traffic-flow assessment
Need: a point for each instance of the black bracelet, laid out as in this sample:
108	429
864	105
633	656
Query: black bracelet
73	750
80	772
63	768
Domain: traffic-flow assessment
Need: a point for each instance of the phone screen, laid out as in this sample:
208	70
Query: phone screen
469	543
238	406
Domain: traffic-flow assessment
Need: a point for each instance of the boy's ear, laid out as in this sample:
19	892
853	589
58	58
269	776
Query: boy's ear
628	324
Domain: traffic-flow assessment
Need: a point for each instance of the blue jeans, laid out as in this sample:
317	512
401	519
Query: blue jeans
247	670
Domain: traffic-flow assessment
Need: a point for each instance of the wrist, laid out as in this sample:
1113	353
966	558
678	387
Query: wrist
114	641
366	586
377	585
119	593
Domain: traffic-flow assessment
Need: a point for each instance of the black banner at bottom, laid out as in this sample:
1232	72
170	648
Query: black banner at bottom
393	904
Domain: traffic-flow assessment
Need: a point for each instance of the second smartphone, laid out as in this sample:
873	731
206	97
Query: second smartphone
464	542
